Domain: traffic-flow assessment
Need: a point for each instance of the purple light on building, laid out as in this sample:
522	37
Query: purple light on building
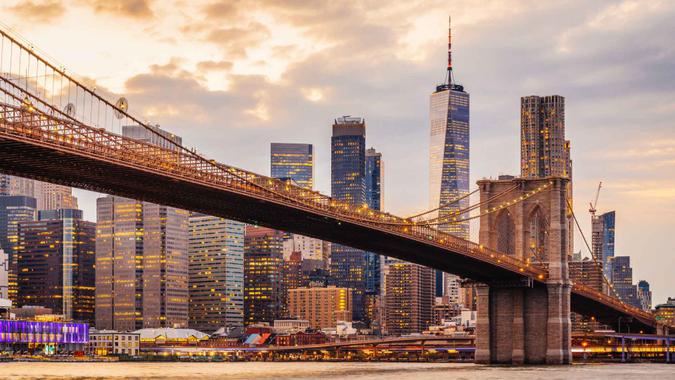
43	332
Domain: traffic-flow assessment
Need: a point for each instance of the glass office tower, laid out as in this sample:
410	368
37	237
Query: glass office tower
293	161
348	184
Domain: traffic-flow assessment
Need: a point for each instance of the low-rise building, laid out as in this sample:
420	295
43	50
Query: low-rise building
665	312
110	342
290	325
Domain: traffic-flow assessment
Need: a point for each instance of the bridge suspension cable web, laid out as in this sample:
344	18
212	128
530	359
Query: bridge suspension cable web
614	297
40	101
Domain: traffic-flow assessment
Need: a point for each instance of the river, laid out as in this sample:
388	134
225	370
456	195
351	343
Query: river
333	370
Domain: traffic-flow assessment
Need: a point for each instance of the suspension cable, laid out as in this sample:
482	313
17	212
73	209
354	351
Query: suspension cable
448	203
598	266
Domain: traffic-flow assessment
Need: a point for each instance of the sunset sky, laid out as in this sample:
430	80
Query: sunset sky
230	77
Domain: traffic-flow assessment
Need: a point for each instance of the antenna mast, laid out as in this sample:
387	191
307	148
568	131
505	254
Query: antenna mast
449	79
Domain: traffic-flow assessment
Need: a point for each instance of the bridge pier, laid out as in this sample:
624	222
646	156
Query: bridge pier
523	325
523	321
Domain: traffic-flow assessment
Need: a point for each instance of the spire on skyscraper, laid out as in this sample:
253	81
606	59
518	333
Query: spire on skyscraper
449	79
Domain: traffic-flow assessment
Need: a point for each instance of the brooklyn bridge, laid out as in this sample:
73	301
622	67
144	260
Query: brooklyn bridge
54	128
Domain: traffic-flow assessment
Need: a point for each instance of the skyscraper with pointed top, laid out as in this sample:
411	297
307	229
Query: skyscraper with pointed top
449	155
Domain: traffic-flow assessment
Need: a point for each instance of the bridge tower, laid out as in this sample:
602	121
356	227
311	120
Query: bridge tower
525	321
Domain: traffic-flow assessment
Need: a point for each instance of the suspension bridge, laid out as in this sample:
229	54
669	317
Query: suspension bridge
56	129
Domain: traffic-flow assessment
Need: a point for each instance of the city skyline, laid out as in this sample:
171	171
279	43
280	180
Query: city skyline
643	230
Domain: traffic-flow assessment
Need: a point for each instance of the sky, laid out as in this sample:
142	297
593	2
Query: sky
231	77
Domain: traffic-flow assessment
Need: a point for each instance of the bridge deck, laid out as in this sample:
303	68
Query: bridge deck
51	149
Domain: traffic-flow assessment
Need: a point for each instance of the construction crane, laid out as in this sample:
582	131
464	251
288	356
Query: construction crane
593	205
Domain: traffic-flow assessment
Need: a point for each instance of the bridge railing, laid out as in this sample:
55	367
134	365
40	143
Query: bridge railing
36	125
611	301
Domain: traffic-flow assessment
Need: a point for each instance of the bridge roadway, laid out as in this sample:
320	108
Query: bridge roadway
36	145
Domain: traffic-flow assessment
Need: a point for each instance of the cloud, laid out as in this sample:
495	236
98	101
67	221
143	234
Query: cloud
44	11
137	9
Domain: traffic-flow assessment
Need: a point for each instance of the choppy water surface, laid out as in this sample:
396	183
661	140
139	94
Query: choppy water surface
314	370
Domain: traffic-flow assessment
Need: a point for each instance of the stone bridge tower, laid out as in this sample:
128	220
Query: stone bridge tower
525	322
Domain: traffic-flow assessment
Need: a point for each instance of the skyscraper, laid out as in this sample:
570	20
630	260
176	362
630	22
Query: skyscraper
602	240
544	152
348	184
348	160
375	201
216	252
293	161
263	273
48	196
449	157
409	299
4	275
153	134
622	279
141	265
141	282
644	295
56	264
14	209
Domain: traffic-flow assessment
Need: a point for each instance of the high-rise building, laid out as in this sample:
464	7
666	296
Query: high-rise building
622	279
348	160
216	253
141	265
348	184
56	264
585	272
602	240
322	307
293	161
4	275
14	209
152	134
644	295
48	196
410	298
375	201
449	158
263	273
141	282
544	152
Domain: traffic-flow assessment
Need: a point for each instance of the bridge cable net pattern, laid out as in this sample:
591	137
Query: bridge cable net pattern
614	299
39	101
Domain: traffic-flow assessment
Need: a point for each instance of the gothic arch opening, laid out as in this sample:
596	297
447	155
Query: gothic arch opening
506	232
537	235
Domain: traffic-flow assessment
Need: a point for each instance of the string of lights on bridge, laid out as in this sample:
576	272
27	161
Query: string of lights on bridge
63	111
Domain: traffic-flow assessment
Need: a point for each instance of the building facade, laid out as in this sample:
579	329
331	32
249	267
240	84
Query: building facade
348	184
141	265
263	274
644	295
543	148
449	109
293	161
4	275
14	209
55	261
602	240
409	298
322	307
110	342
216	253
622	279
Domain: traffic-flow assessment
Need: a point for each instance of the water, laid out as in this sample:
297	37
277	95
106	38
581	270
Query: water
328	371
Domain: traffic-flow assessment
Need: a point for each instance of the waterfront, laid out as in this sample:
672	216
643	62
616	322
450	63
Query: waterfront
300	371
